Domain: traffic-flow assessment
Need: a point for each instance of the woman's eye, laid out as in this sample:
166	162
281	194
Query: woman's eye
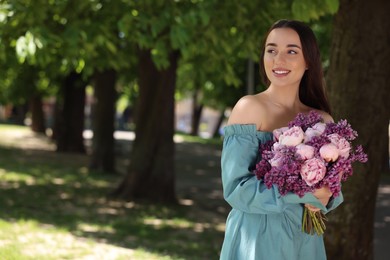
271	51
292	52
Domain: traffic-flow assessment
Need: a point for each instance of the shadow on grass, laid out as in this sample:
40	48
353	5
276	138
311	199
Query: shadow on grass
57	189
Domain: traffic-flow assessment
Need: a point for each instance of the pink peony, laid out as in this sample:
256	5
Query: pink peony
277	160
329	152
320	127
342	145
313	171
278	132
277	147
292	137
316	130
305	151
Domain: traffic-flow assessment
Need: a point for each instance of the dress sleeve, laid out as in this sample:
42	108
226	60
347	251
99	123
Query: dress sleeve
334	202
241	188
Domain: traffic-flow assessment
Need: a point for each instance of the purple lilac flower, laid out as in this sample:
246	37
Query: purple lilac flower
318	141
306	120
342	128
286	174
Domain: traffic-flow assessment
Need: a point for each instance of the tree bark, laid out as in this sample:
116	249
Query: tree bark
358	83
37	116
151	173
196	113
103	121
69	124
221	117
18	114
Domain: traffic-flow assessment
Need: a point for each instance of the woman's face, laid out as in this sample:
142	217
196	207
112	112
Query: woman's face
283	57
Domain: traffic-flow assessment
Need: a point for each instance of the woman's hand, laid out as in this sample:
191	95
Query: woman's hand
312	208
323	195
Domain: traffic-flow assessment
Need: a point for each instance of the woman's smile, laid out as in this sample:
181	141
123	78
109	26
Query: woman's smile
278	72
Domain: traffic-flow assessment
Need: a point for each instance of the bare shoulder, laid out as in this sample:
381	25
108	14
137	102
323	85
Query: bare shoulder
248	110
326	116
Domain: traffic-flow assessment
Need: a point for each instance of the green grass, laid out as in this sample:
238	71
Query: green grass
52	207
196	139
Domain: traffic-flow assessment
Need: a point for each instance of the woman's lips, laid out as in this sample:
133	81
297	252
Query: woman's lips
280	72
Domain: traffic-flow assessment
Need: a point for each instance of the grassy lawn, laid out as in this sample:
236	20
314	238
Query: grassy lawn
53	207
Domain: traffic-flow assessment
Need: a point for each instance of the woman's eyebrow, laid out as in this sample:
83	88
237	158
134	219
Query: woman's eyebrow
294	45
288	45
272	44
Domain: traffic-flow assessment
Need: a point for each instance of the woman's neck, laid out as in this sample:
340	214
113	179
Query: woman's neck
286	97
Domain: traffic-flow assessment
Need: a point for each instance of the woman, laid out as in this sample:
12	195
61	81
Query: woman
263	224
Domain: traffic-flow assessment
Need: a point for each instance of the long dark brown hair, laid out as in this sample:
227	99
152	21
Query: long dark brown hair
312	85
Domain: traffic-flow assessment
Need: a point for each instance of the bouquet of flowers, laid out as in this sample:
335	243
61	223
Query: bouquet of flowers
306	155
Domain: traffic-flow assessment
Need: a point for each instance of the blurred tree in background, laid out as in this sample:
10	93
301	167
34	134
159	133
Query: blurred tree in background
70	44
202	35
206	46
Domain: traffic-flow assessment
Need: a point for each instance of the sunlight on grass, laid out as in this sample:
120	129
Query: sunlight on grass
15	176
22	136
13	128
27	239
53	207
182	137
160	223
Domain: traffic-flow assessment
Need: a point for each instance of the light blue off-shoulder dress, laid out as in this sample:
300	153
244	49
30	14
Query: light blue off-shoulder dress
262	224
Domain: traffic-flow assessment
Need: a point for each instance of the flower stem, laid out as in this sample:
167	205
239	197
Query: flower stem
313	222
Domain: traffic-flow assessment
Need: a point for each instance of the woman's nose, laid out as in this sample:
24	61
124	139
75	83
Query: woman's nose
280	58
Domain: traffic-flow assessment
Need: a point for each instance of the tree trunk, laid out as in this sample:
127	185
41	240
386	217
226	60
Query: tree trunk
103	120
70	115
358	82
196	113
151	171
18	114
37	116
221	117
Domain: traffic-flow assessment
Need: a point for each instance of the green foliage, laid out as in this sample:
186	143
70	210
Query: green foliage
216	62
215	39
73	35
323	31
307	10
164	26
57	37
